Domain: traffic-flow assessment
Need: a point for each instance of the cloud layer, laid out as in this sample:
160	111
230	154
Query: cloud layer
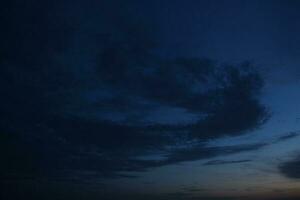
68	121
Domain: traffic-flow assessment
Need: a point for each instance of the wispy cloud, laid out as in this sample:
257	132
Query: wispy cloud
288	136
223	162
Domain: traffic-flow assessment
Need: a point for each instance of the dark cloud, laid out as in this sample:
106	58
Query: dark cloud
223	162
197	153
291	169
193	196
57	159
198	86
64	120
194	189
288	136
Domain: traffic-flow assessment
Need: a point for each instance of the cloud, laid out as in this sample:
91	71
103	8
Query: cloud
193	196
198	153
81	160
69	116
291	168
222	162
199	87
195	189
288	136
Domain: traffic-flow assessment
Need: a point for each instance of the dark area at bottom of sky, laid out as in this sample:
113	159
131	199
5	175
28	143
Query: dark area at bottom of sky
164	100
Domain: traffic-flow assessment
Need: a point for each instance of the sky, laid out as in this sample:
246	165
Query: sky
164	100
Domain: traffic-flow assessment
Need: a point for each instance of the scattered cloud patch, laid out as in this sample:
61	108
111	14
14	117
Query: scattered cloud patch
291	169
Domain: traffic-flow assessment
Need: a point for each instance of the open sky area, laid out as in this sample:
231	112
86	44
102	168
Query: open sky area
150	100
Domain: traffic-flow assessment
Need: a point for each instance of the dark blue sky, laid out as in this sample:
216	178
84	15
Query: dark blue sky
150	99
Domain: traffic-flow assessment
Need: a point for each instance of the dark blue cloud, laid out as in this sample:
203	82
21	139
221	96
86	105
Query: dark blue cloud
197	153
57	158
223	162
61	120
291	169
288	136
